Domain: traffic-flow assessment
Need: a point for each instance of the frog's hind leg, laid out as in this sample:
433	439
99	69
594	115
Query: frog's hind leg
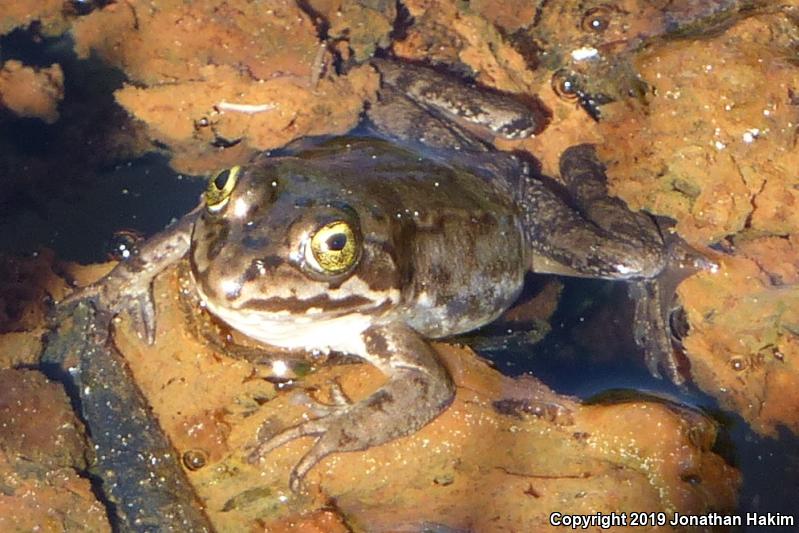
418	389
669	258
584	177
482	111
398	118
599	237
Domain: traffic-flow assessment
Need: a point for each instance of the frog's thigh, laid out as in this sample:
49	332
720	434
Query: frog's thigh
584	176
601	237
398	118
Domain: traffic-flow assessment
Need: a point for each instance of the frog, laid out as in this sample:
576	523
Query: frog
372	245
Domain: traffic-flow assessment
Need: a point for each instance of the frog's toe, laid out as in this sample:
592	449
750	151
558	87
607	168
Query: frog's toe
276	441
652	332
110	299
89	293
335	439
335	435
141	310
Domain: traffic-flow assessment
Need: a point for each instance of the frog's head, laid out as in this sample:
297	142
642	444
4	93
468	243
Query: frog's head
278	250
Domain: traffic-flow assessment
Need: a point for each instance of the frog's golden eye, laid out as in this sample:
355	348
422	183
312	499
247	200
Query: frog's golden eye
220	188
333	248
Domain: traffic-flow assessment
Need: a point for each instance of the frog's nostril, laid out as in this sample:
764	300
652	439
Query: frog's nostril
261	267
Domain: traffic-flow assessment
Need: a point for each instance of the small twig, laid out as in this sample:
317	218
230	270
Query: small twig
319	64
250	109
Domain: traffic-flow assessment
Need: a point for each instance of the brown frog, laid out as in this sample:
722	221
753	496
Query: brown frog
371	245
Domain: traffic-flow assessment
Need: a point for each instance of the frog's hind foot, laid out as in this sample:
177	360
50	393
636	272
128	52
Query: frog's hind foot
651	330
657	331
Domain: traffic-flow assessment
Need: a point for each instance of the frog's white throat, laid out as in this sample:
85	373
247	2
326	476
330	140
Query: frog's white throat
297	332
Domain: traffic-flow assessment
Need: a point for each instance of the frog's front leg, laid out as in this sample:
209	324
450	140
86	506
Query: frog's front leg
418	389
128	287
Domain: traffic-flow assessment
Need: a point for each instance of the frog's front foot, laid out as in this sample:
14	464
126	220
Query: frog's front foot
128	287
417	391
120	292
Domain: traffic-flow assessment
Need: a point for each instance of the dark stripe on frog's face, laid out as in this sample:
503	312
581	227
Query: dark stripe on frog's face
323	302
216	235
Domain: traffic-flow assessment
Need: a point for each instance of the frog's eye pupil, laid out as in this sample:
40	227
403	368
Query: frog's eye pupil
221	179
337	242
219	189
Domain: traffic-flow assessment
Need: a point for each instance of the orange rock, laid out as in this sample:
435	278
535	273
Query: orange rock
42	446
742	344
216	84
21	13
31	92
719	132
36	499
505	454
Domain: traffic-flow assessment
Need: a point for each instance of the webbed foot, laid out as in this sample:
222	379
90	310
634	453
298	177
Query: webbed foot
418	390
116	294
128	287
655	302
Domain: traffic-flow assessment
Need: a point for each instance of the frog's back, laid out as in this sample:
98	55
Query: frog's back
454	237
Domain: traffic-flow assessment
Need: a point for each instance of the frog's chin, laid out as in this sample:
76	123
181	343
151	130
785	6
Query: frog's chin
340	333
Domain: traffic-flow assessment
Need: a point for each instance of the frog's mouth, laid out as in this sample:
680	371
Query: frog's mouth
320	322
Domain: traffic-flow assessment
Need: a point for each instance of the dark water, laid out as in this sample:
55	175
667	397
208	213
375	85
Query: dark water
77	205
770	467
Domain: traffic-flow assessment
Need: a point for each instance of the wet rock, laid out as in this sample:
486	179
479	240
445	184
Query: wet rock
36	498
507	448
49	15
720	158
42	447
235	80
37	421
31	92
720	130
